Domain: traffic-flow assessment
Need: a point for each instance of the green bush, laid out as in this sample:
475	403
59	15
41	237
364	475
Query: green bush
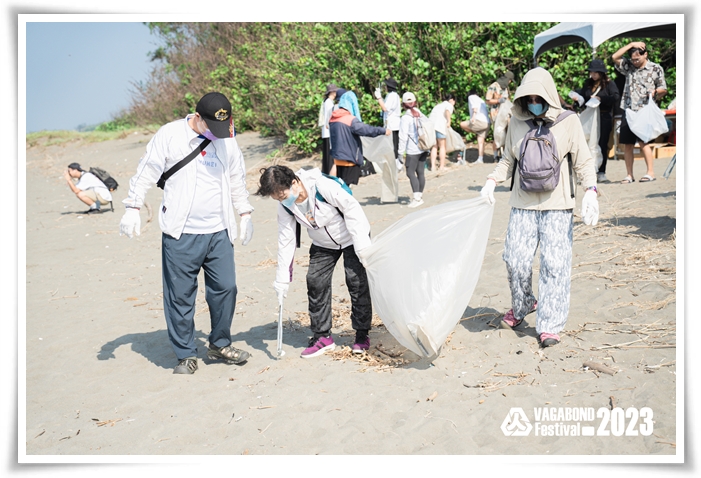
275	73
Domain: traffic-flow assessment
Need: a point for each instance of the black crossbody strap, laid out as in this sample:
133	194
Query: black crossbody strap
182	163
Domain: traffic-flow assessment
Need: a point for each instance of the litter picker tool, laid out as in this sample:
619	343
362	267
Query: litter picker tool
280	352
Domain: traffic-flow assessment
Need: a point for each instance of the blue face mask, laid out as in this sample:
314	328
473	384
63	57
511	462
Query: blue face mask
289	201
537	109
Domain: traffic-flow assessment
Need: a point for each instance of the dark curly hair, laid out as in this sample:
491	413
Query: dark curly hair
274	180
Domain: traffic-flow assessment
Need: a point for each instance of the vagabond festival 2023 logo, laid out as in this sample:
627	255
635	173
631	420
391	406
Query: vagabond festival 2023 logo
579	421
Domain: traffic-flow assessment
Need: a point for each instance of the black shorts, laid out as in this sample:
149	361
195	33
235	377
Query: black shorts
627	136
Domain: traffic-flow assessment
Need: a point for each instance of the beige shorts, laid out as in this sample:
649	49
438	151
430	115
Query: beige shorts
479	127
95	197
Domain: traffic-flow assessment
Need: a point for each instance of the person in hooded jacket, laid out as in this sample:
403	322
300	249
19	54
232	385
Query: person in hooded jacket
337	227
543	219
346	127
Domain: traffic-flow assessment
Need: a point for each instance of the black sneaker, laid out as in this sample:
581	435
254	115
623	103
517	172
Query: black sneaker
92	211
187	366
228	354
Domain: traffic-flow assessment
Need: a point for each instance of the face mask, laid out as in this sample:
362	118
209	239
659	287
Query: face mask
289	201
209	135
537	109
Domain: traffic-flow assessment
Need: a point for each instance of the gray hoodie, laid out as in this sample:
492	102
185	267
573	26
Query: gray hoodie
568	135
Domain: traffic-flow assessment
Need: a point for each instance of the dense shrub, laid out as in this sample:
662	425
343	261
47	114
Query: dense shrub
275	73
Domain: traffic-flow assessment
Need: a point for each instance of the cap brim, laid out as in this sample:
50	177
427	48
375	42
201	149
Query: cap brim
220	129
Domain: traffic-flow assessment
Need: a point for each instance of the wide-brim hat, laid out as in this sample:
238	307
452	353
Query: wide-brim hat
598	66
330	88
215	109
391	83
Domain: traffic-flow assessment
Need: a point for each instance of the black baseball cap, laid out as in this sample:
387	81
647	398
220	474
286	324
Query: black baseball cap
75	166
215	109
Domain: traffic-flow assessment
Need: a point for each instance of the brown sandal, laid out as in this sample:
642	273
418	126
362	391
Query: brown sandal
228	354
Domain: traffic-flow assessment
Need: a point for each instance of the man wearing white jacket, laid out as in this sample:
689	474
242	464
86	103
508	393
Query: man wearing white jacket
198	223
337	227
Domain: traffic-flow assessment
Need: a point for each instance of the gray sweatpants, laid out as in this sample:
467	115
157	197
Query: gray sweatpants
182	260
552	230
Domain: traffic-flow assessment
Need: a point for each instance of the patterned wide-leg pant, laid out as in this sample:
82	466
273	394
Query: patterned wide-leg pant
552	230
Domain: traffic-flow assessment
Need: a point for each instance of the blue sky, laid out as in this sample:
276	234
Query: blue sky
81	73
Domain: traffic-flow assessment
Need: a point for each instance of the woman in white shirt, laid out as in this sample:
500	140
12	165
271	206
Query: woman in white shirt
408	143
440	117
479	122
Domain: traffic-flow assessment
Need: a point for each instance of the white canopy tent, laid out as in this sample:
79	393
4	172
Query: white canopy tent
595	33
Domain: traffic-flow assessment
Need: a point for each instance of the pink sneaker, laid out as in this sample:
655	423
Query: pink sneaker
361	346
511	321
548	340
318	346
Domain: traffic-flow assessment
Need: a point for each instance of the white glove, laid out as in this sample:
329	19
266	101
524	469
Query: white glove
502	100
130	223
400	165
576	96
281	289
488	190
590	208
378	93
246	227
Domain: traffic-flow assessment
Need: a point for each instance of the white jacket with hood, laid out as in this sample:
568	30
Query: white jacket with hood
569	137
171	143
340	221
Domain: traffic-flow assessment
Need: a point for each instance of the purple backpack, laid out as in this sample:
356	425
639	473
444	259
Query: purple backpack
538	161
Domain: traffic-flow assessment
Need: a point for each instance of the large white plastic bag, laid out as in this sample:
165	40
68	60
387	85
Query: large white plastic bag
501	123
648	122
423	269
380	151
590	120
454	142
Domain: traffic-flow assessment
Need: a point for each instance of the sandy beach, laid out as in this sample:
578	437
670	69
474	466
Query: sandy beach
99	380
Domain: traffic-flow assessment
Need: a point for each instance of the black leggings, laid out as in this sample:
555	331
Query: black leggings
415	171
605	126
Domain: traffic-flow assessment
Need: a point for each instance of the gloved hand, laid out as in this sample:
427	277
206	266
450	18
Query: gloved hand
488	190
590	208
576	96
246	227
378	93
400	165
130	223
281	289
502	100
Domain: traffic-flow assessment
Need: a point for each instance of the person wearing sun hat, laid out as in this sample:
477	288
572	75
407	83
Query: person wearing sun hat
198	223
600	87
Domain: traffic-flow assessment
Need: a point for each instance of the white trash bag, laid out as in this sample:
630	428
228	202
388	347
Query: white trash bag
591	120
501	123
423	269
454	142
380	151
648	122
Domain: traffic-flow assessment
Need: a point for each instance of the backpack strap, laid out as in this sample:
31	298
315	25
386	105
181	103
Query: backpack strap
298	232
182	163
569	163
